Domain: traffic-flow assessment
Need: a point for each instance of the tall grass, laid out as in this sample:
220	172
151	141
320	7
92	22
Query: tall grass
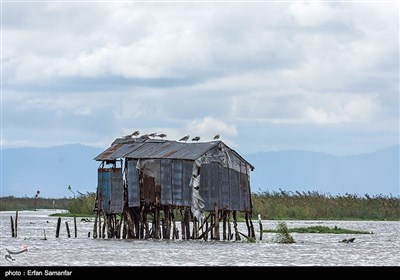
314	205
83	204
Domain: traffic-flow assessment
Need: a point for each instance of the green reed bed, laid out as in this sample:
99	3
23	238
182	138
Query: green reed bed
319	206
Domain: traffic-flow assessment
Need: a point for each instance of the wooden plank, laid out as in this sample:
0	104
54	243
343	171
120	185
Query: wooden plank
166	181
177	193
133	184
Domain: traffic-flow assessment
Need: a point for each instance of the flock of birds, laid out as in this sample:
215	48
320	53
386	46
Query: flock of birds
162	136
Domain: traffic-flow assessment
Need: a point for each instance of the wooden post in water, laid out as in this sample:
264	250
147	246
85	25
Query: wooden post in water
16	224
95	226
58	227
100	233
237	236
224	225
187	225
216	223
260	224
229	225
67	226
44	233
182	224
12	227
75	229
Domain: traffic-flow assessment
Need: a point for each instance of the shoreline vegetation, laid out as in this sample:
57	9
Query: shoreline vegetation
277	205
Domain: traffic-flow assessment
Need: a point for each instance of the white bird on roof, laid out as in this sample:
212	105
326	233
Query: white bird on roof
184	138
162	135
216	137
135	133
197	138
145	136
153	134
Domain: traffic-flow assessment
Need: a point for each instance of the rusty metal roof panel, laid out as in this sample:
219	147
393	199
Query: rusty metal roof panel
171	149
115	151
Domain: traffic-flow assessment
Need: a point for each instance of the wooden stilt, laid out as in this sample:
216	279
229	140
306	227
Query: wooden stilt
237	236
261	227
16	224
95	225
229	225
58	227
187	223
75	228
183	232
67	226
12	227
216	224
224	225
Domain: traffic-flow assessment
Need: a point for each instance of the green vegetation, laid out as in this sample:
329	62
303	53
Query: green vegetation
280	205
82	206
11	203
317	206
322	229
282	234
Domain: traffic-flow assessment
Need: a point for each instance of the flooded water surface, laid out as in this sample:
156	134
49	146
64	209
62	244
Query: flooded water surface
378	249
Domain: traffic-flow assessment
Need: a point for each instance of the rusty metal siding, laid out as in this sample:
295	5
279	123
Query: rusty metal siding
104	188
133	184
117	191
149	189
204	188
234	192
224	190
186	189
245	192
209	183
177	170
166	182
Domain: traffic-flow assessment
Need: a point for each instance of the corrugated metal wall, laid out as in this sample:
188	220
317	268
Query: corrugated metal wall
133	184
225	187
175	179
117	191
110	188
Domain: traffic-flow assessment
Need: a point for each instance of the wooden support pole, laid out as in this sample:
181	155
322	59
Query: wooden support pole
58	227
252	233
212	224
230	237
12	227
183	225
248	224
100	233
44	233
205	233
95	226
261	227
187	223
224	225
67	226
237	236
216	224
174	235
16	224
75	228
88	234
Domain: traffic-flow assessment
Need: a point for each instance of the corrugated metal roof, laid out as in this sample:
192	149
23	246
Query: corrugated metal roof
137	148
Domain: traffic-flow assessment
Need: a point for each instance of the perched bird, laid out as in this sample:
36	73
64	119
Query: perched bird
145	136
216	137
162	135
153	134
135	133
184	138
197	138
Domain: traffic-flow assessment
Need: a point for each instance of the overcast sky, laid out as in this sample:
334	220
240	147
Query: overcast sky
265	76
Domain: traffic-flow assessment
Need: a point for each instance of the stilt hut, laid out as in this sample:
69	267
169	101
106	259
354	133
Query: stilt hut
155	188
